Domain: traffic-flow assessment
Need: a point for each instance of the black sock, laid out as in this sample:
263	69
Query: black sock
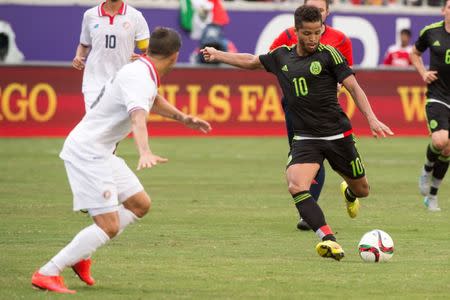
309	210
440	167
329	237
432	157
349	195
439	171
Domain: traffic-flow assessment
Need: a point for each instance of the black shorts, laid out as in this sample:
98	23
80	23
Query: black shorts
341	154
438	116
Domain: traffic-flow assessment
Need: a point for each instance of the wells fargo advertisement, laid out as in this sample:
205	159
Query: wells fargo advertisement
47	101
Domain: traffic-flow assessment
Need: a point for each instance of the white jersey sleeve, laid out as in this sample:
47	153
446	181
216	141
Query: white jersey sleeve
136	91
142	31
85	36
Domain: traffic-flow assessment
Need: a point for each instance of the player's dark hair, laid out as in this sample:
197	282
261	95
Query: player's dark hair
327	3
406	31
164	42
444	3
306	13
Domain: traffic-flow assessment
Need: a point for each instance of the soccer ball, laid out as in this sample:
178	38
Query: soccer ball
376	246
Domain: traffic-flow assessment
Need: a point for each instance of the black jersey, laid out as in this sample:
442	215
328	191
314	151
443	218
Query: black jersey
309	84
436	38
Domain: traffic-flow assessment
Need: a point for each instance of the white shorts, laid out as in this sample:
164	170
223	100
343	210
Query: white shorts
101	183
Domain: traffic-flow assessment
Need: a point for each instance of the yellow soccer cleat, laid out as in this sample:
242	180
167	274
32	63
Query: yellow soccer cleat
330	249
352	207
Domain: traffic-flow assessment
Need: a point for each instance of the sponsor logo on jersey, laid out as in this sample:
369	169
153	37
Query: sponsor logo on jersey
315	68
284	68
436	44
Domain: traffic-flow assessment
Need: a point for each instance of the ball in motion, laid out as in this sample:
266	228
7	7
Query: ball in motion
376	246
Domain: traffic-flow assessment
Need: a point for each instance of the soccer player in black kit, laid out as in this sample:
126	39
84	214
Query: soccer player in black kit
308	74
436	37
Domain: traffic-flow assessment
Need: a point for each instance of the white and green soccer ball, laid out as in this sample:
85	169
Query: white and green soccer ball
376	246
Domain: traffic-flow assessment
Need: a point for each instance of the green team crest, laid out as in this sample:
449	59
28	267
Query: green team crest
315	68
433	124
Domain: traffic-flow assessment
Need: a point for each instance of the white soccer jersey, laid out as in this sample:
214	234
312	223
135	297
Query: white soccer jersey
135	86
112	41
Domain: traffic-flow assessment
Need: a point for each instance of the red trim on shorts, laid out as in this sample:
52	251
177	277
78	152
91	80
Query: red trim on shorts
348	132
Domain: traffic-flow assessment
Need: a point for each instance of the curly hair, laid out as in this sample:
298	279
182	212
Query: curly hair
306	13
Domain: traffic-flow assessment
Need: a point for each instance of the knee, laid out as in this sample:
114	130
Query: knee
362	191
144	207
294	188
111	229
440	144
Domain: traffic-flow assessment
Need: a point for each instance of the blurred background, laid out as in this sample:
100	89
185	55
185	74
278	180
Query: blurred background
38	40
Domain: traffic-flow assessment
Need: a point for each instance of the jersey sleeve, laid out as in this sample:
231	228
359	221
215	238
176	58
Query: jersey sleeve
142	31
422	42
337	64
269	61
136	90
85	36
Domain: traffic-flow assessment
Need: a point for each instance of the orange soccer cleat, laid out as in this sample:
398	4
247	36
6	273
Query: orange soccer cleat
83	271
50	283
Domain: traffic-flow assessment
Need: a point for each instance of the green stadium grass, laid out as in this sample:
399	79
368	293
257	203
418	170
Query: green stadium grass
222	225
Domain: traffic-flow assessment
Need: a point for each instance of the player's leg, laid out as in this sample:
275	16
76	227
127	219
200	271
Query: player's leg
438	124
93	189
319	180
135	202
439	170
82	246
315	190
302	167
345	159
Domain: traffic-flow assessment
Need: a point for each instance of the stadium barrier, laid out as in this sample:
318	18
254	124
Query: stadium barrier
46	101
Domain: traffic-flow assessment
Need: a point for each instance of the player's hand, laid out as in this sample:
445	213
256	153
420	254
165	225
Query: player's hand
149	160
379	129
209	54
430	76
78	62
197	124
134	56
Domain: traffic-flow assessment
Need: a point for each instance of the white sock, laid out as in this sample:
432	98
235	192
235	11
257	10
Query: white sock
83	245
126	217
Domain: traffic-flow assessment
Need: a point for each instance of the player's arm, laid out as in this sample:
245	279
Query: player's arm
240	60
142	45
163	108
139	128
80	56
361	101
417	61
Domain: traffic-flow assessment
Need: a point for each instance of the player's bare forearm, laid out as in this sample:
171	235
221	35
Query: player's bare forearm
359	97
139	129
417	61
163	108
80	56
240	60
82	50
377	128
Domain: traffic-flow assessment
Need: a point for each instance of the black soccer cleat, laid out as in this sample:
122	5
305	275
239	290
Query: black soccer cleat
302	225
